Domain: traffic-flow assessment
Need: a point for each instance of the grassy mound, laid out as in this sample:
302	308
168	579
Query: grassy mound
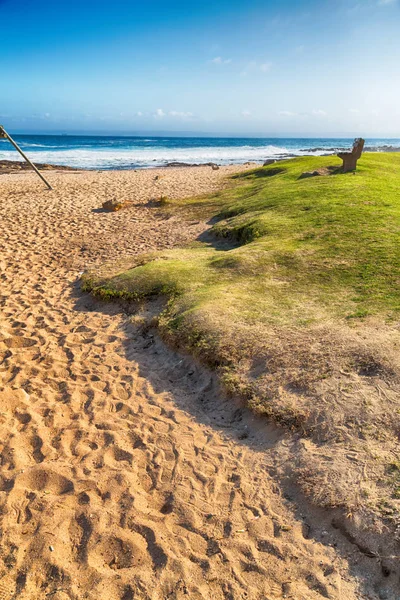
330	242
294	297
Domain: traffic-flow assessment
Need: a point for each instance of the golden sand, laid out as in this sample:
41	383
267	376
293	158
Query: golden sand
125	473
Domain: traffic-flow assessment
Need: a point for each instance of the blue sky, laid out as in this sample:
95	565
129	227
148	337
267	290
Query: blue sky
324	68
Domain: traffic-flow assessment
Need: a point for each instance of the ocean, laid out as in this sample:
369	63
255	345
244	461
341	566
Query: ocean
123	152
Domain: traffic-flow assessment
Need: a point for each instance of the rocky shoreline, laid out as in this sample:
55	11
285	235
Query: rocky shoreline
330	151
10	166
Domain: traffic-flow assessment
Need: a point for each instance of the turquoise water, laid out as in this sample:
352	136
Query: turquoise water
118	152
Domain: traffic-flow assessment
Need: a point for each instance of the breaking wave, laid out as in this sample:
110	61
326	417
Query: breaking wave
150	157
116	152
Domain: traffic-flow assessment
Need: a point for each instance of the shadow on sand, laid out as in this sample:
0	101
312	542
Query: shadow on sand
195	390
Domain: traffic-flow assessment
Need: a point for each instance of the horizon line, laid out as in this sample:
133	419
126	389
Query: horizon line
197	134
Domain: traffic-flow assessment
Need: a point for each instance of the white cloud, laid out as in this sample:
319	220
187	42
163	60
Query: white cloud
354	111
218	60
139	114
265	67
318	112
314	113
246	113
180	114
253	65
176	114
387	2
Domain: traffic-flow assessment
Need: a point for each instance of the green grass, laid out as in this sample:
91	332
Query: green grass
303	249
303	259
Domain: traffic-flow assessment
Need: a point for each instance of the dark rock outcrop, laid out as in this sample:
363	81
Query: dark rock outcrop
12	166
183	164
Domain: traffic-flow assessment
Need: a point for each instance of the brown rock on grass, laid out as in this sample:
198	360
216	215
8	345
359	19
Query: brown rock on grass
319	172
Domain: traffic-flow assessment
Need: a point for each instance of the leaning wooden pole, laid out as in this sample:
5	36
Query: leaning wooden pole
4	134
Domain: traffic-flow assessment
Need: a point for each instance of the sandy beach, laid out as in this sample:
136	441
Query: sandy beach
125	472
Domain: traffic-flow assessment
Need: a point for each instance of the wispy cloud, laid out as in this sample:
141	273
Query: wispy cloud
246	113
265	67
253	66
318	112
175	114
386	2
218	60
180	114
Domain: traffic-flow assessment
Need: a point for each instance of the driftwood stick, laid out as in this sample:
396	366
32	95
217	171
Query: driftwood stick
4	134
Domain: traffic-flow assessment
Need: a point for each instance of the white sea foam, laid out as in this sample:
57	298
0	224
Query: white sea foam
153	156
30	145
92	158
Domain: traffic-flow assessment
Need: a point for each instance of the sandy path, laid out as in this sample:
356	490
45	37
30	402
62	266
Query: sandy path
124	473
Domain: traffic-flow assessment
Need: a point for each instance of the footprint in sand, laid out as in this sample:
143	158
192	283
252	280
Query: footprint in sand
19	342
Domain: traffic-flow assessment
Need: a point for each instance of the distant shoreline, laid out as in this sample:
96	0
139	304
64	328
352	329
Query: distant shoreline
12	166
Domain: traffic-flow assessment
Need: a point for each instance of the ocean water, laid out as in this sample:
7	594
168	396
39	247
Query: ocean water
119	152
